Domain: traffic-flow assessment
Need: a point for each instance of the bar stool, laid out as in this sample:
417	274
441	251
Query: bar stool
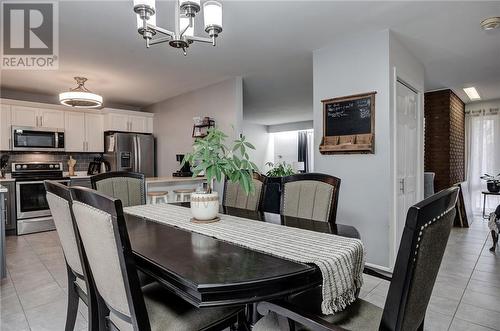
183	194
155	196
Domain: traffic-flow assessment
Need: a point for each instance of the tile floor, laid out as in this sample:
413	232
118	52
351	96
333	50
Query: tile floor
466	295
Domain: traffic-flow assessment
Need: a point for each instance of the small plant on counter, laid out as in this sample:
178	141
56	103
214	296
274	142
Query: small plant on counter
215	159
280	169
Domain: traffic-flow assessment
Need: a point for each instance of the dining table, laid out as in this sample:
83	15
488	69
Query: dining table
208	272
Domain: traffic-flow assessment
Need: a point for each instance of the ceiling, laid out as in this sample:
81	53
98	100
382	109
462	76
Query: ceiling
269	44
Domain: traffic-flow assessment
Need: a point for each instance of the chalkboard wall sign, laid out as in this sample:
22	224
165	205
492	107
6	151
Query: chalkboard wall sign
349	124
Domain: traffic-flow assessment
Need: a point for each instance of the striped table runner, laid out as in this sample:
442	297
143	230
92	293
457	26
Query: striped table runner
341	260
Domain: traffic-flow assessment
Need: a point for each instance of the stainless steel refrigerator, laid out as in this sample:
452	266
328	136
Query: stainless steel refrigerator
130	152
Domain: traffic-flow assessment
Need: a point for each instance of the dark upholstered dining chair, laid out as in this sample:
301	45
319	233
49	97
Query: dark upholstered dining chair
104	236
424	239
235	196
129	187
312	196
59	200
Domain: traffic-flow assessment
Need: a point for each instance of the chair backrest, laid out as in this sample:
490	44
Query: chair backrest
235	196
59	200
424	239
104	237
312	196
129	187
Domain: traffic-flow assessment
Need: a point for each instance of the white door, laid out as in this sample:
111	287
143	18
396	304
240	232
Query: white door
94	131
51	118
24	116
138	123
407	149
117	122
5	132
74	129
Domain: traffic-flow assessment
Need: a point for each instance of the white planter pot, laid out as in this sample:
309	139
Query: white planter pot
204	206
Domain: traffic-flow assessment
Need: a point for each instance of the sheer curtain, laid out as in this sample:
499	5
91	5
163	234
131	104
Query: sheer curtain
482	127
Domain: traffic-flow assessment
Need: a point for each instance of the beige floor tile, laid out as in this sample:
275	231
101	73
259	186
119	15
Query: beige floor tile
436	321
41	295
461	325
51	317
480	316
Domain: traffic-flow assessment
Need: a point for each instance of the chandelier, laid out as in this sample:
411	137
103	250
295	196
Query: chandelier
184	14
80	97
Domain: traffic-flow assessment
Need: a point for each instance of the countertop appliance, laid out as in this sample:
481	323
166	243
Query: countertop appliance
32	209
99	165
27	138
130	152
186	168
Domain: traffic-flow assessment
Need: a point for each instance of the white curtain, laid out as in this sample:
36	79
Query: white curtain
483	153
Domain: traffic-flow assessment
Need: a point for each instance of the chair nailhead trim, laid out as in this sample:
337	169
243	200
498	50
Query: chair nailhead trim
422	228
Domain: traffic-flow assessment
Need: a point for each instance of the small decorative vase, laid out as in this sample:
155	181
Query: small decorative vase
493	186
204	207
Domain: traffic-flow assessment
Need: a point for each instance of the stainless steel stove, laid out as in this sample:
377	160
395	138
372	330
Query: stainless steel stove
32	209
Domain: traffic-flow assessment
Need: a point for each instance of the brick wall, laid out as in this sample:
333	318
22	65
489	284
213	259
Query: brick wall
444	141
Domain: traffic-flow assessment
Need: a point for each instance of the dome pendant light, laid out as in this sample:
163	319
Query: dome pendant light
80	97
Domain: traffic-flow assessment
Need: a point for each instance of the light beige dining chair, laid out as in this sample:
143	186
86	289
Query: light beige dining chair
59	200
104	236
312	196
235	196
129	187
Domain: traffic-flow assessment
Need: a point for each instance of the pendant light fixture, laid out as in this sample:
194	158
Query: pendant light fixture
184	13
80	97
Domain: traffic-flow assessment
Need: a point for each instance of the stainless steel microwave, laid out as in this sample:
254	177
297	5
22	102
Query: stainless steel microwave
37	139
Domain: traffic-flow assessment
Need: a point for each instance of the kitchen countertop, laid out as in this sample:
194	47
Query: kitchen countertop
173	180
7	180
78	174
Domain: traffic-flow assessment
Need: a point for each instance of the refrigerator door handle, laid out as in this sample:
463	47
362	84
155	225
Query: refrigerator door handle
136	155
139	152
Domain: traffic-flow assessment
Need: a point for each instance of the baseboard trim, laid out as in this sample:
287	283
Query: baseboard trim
379	267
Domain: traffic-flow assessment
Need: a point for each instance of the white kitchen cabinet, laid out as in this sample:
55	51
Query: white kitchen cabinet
117	122
37	117
51	118
94	133
84	132
74	132
24	116
126	122
5	131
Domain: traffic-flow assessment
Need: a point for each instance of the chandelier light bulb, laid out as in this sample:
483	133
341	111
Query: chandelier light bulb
212	15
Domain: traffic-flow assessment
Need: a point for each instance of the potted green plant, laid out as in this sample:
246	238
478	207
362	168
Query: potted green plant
273	185
280	169
212	157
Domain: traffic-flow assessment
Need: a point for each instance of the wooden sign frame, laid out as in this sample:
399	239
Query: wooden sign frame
349	144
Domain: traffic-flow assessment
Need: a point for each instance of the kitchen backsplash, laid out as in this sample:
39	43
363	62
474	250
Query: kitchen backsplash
82	159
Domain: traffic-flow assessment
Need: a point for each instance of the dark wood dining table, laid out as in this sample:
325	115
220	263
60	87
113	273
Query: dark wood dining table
208	272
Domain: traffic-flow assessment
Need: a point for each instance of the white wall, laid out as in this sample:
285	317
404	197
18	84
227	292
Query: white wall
295	126
357	65
173	122
286	147
258	136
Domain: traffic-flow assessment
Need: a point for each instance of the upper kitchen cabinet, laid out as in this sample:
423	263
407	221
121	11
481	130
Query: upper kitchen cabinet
84	132
128	121
5	132
37	117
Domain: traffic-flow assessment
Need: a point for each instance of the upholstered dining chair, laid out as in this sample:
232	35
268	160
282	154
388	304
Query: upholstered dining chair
235	196
129	187
424	239
312	196
104	236
59	200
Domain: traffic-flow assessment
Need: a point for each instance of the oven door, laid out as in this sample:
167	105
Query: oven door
31	199
35	139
